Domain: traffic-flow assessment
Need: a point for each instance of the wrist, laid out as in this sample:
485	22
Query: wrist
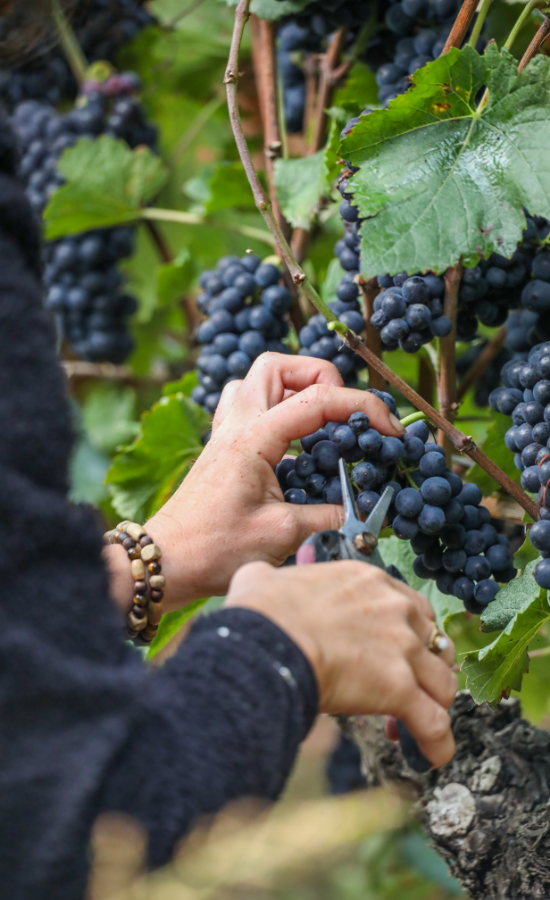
180	561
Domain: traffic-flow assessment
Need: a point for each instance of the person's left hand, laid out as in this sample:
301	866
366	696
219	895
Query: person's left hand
230	510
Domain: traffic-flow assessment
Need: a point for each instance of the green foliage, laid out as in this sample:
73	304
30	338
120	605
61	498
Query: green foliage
359	90
174	279
272	9
494	447
146	473
400	553
442	178
170	624
525	554
300	185
499	667
223	188
106	184
512	598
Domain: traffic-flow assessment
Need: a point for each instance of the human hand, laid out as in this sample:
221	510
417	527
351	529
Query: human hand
230	510
365	635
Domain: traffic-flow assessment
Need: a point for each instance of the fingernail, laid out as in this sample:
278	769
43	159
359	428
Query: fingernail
396	424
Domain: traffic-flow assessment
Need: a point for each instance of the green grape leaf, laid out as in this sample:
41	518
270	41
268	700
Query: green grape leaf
228	186
442	179
526	553
359	90
510	600
494	447
400	553
499	667
300	184
274	9
174	279
108	416
170	624
145	474
106	184
183	385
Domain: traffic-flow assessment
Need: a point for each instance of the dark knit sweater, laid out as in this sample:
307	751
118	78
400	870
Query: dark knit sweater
84	727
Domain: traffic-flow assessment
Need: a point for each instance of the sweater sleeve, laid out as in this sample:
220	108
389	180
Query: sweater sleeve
84	726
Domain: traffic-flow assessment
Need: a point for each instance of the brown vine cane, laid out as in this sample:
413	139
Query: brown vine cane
143	619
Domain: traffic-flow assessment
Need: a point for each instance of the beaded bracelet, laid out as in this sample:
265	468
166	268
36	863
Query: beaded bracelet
144	555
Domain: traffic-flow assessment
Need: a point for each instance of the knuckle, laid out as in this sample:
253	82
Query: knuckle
440	726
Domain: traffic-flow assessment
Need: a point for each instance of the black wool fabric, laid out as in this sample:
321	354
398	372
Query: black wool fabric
85	728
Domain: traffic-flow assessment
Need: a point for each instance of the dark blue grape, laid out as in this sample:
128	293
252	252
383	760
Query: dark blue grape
436	491
485	591
404	528
326	457
431	519
296	496
477	568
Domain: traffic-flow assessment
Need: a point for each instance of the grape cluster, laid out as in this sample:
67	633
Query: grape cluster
83	283
409	311
245	305
451	533
420	29
310	32
525	397
101	28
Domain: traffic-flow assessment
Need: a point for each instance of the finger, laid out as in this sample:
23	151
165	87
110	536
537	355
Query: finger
420	601
312	408
435	677
430	724
274	373
227	401
309	519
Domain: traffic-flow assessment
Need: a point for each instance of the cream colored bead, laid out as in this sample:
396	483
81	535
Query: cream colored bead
157	582
150	552
134	531
122	525
109	536
138	569
154	613
137	624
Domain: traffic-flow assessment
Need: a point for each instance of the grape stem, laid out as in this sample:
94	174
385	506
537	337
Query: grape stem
535	45
161	245
446	375
484	360
520	22
71	47
461	25
265	70
462	442
414	417
187	218
369	290
331	73
480	21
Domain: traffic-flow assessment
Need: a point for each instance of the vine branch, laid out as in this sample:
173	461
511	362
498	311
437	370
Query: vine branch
331	72
461	25
462	442
485	358
446	382
535	45
369	290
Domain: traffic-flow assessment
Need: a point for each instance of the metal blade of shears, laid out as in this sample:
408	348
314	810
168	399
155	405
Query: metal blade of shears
353	528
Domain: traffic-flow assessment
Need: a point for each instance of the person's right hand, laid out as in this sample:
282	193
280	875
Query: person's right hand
365	635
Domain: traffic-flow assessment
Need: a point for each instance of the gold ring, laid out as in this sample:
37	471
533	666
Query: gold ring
438	640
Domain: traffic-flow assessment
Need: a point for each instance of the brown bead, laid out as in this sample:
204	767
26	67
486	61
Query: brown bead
140	587
156	596
131	634
149	632
140	599
145	540
154	613
154	568
139	612
128	543
134	552
150	553
120	537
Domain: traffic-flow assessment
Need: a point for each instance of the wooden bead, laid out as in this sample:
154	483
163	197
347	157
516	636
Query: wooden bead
109	536
138	569
128	543
140	599
157	582
140	587
122	525
149	633
150	552
145	540
139	612
156	596
134	552
135	623
154	568
134	530
120	537
154	613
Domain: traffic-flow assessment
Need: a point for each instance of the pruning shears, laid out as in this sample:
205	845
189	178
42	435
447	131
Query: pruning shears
359	541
